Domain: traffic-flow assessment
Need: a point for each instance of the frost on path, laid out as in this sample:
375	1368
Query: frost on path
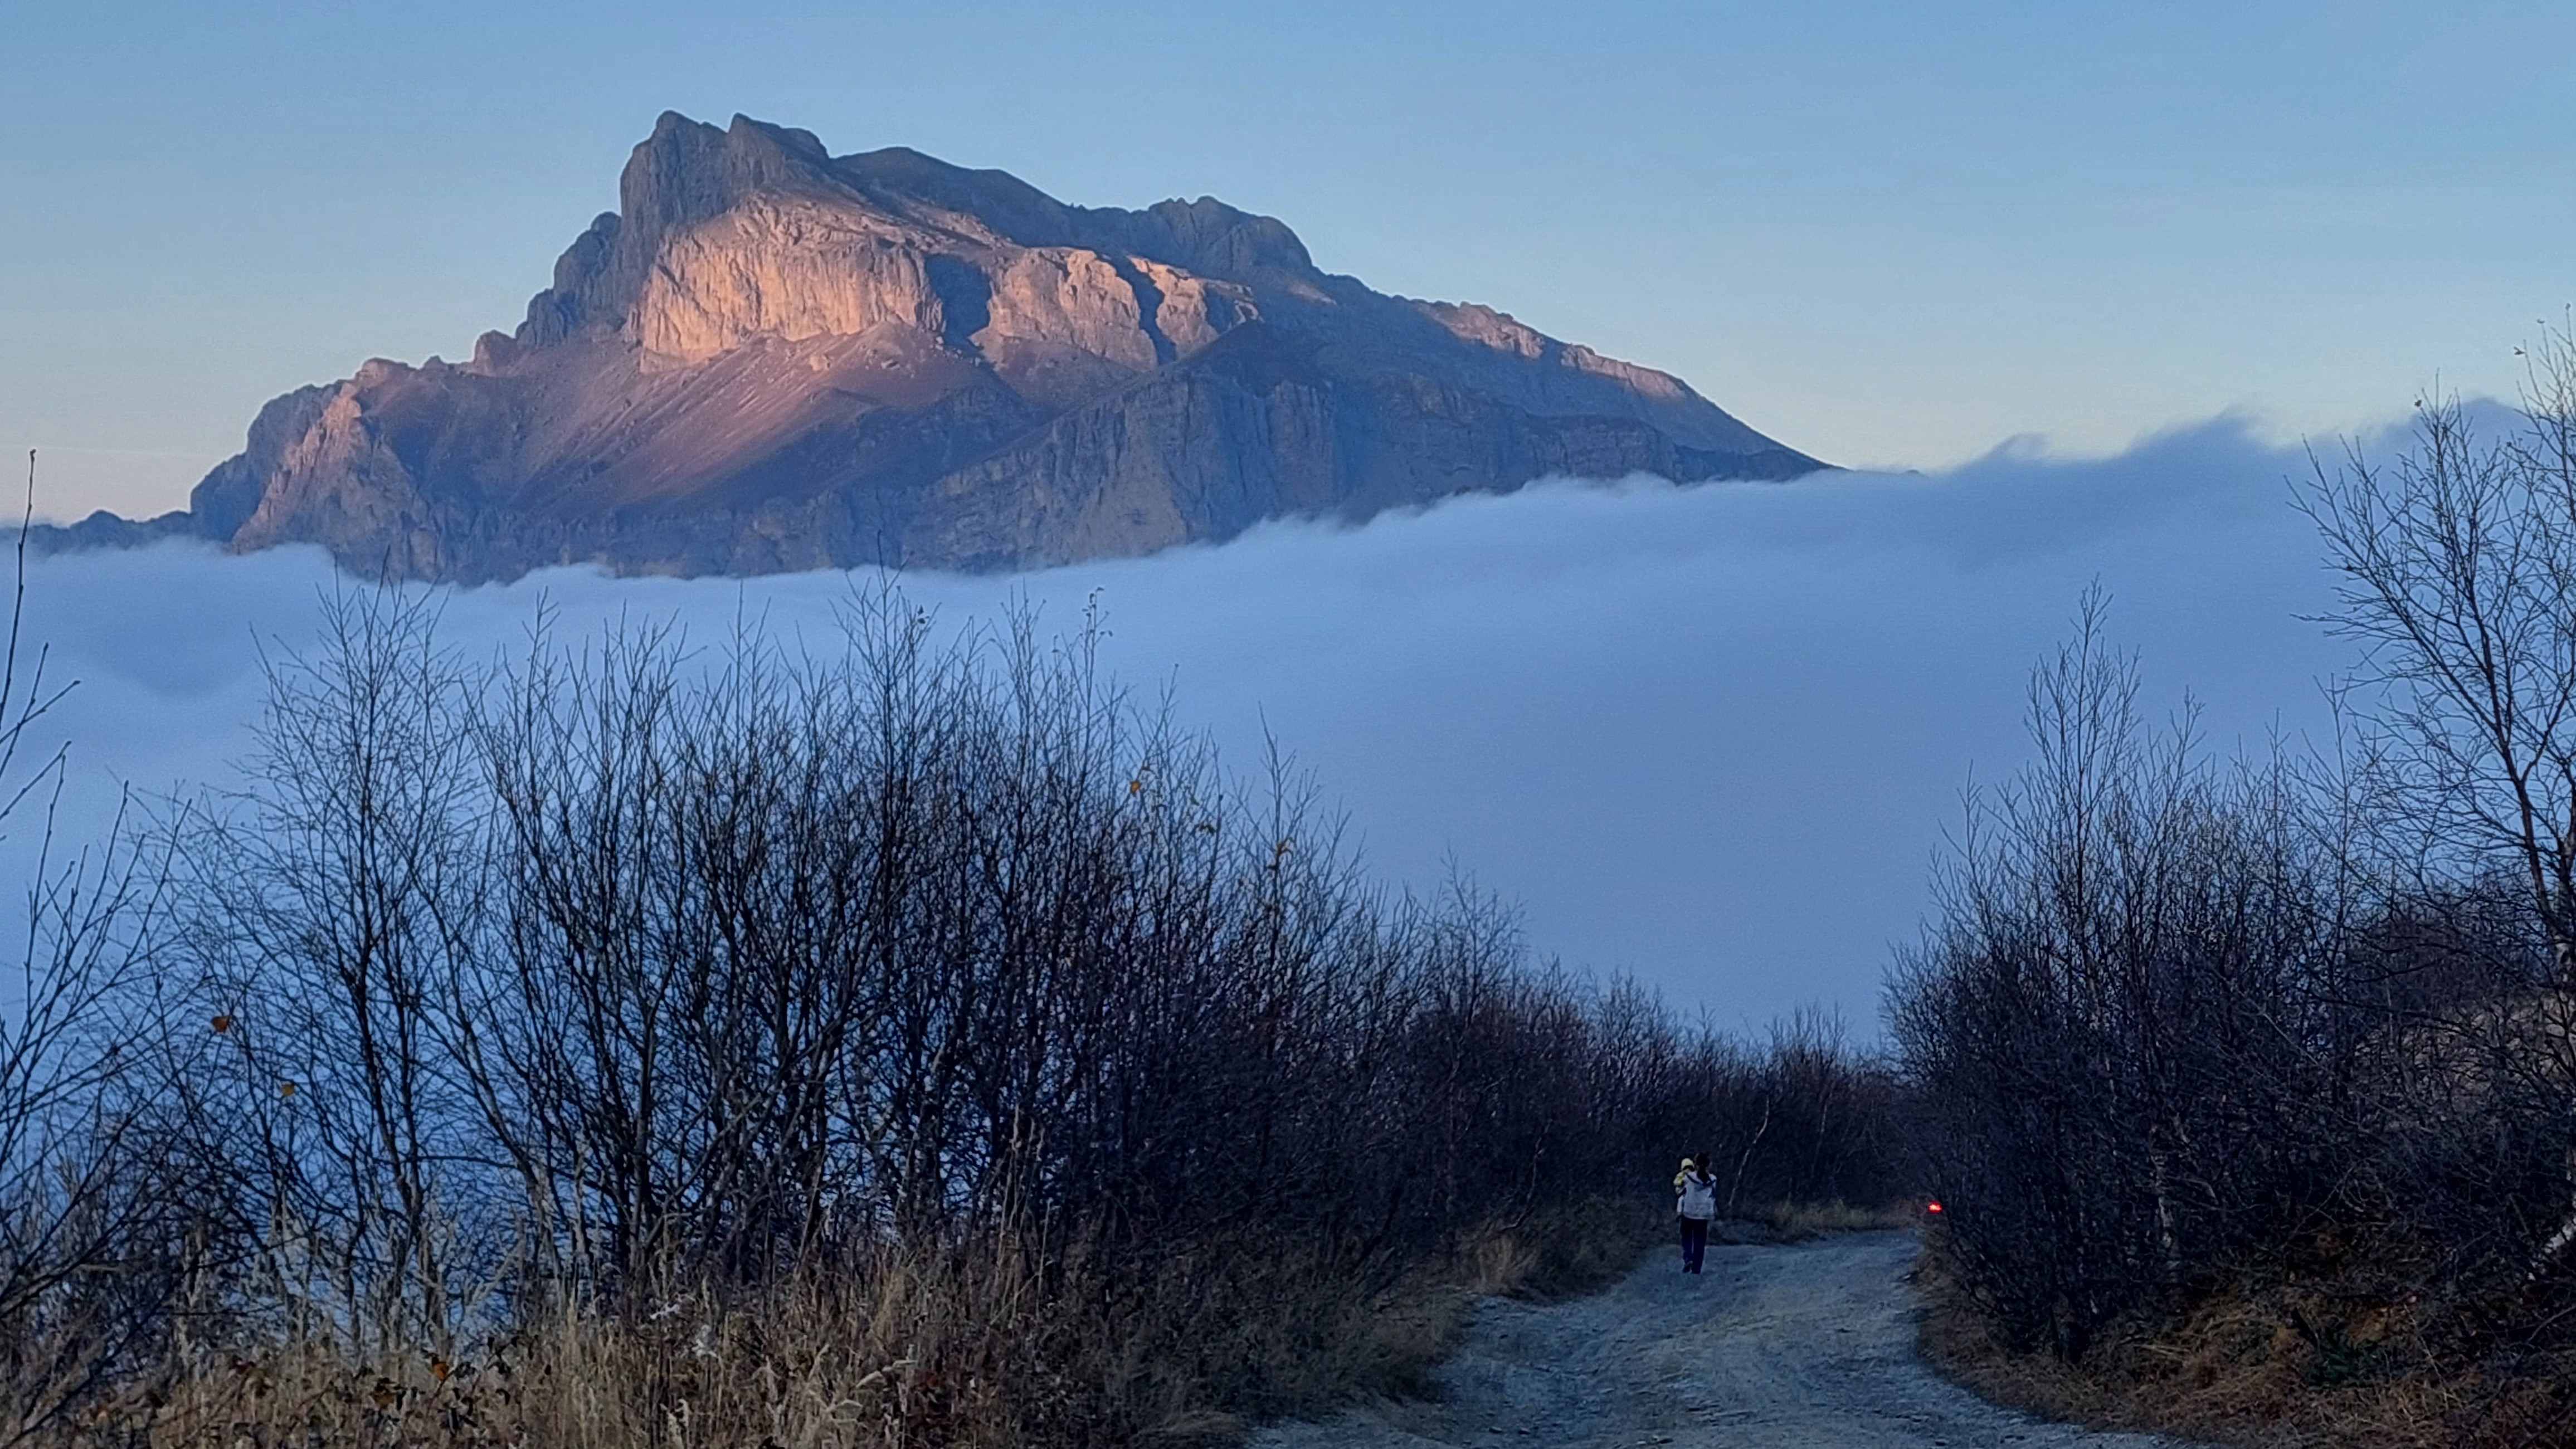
1807	1347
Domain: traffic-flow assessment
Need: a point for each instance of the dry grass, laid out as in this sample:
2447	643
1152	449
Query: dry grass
891	1355
978	1350
1798	1221
2288	1364
1589	1246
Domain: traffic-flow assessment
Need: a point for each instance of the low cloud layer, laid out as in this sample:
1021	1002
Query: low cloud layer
1710	735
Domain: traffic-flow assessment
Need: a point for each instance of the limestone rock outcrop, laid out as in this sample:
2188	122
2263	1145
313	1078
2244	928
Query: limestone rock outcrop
772	358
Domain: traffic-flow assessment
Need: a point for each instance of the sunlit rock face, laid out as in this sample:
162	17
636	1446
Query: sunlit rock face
772	358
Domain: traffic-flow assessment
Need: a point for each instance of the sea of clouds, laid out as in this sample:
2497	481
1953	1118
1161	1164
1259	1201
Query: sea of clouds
1711	736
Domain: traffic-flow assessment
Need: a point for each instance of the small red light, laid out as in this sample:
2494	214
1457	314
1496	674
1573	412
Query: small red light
1932	1207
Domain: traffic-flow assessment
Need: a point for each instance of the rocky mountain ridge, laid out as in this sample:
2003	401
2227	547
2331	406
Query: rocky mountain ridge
772	358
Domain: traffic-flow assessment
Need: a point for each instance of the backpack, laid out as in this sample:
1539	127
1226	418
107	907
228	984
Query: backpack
1698	1198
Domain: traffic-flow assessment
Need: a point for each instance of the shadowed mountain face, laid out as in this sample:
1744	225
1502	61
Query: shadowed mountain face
771	358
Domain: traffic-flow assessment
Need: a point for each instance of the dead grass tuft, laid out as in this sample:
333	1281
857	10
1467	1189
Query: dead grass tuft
1497	1263
899	1353
2286	1364
973	1349
1798	1221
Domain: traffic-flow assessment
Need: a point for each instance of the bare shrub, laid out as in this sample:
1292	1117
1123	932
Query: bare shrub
101	1232
908	1039
2115	1021
2183	1046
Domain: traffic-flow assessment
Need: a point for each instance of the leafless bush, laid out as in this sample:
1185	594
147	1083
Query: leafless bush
2185	1031
99	1168
2116	1021
644	1009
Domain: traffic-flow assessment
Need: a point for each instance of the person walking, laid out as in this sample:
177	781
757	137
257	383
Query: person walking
1695	1194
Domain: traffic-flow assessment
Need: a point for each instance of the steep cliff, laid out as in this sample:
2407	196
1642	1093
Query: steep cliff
772	358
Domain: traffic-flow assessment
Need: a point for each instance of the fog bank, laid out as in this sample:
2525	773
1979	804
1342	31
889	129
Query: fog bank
1707	735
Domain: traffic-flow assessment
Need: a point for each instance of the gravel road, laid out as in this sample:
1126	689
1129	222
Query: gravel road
1808	1347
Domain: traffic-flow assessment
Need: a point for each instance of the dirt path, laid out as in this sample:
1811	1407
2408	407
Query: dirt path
1807	1347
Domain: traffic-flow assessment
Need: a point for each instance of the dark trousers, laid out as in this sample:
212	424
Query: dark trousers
1694	1243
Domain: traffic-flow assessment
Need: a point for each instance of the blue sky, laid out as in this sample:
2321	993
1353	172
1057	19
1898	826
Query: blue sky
1885	233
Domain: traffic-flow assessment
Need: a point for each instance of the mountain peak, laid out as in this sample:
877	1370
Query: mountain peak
769	357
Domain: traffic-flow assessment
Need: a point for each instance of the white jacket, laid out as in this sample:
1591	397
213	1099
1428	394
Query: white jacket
1698	1198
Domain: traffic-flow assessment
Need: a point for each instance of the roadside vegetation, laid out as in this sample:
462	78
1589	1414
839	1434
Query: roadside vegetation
644	1041
2250	1086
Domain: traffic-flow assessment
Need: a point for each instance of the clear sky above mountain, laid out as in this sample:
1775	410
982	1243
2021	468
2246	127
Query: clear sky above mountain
1883	233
